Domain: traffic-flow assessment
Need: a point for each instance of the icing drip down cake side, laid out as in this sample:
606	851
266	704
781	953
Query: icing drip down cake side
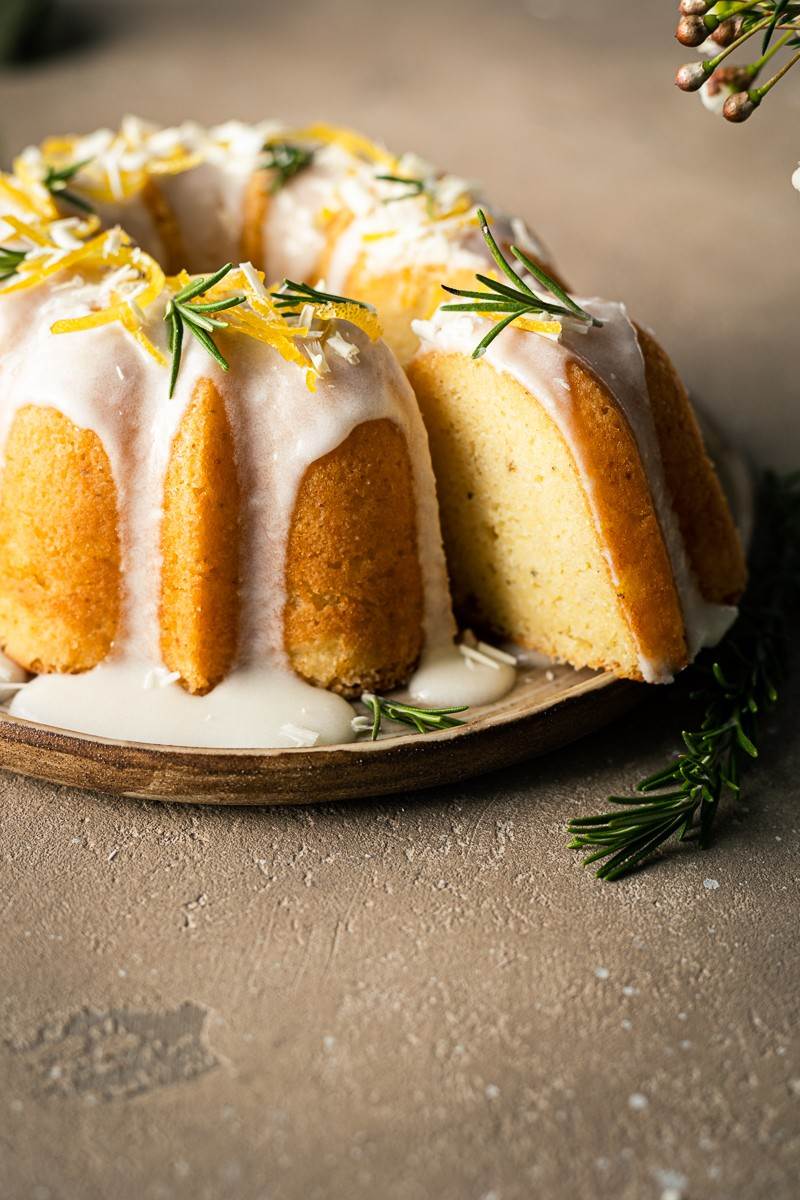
219	520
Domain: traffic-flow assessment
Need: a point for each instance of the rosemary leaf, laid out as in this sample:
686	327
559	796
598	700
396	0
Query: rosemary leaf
10	261
424	720
291	295
57	179
285	160
181	314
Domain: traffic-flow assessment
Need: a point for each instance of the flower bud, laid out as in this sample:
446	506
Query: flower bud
691	31
694	8
738	107
691	76
723	83
727	32
735	78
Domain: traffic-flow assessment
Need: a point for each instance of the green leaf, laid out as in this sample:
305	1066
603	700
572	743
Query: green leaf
292	295
780	9
180	315
285	159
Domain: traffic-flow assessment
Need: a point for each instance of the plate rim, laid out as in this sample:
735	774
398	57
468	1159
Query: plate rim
507	732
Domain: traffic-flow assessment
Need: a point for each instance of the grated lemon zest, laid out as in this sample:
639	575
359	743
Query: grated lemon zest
364	318
176	164
528	324
23	229
270	334
150	269
59	147
126	311
311	380
179	281
135	329
458	210
354	143
89	321
116	312
39	273
42	205
532	326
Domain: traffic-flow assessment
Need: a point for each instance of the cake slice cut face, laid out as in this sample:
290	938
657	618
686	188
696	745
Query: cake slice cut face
564	529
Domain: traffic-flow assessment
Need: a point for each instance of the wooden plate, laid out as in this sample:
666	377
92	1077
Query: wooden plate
540	714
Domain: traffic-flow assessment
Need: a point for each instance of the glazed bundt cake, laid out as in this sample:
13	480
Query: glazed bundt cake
217	511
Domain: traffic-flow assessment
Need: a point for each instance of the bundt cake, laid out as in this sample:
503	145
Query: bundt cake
218	517
581	515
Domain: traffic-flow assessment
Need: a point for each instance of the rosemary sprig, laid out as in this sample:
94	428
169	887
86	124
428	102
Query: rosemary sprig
291	295
734	691
414	186
286	159
424	720
10	261
180	314
56	181
513	302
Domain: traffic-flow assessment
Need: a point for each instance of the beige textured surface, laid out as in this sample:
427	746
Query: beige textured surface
428	998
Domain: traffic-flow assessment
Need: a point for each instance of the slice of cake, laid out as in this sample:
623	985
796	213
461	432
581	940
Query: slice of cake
582	517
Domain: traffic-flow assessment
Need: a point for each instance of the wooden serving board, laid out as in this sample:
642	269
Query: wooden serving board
539	715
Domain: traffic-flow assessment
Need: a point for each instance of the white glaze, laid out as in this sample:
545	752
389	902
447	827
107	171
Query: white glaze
612	352
446	677
102	380
252	708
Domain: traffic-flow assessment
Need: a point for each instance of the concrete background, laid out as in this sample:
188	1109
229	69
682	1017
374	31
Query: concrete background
428	997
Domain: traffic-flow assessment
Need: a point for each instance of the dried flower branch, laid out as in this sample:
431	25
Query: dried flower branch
728	26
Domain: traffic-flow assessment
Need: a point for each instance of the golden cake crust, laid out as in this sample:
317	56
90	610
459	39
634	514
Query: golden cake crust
709	534
200	545
256	199
167	227
59	548
354	603
645	585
